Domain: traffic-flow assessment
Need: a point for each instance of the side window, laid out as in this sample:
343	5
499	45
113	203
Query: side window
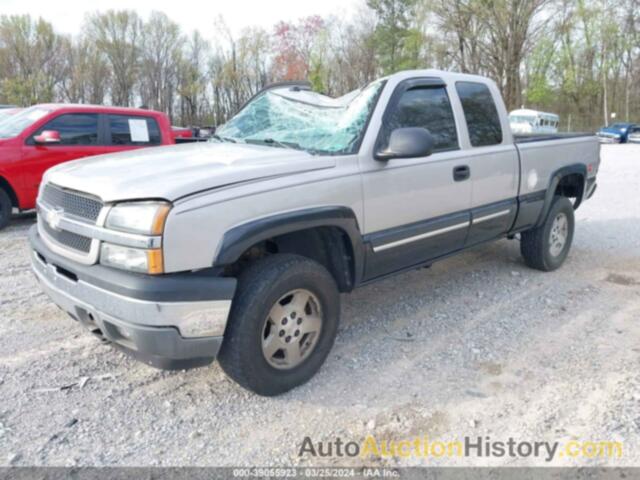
480	113
74	128
131	130
428	108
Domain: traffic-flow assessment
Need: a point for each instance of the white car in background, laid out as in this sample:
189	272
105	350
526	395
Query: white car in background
525	121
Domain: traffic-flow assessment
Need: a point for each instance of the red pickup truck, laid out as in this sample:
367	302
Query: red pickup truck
42	136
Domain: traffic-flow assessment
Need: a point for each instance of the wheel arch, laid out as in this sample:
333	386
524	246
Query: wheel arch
568	181
8	188
329	235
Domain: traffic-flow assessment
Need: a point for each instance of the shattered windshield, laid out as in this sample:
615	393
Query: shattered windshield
293	118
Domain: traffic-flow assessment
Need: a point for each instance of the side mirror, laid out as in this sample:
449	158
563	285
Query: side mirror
47	137
408	142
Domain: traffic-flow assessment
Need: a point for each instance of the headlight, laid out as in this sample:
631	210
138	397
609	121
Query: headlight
132	259
146	218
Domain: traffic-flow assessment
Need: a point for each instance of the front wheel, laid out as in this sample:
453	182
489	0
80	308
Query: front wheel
546	247
282	324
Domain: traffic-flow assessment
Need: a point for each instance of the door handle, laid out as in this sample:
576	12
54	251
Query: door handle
461	172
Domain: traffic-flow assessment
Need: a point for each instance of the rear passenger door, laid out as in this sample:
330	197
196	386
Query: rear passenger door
127	132
493	161
416	209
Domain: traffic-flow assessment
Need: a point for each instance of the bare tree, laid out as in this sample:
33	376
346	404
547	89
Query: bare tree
578	58
465	31
116	35
160	58
192	78
87	77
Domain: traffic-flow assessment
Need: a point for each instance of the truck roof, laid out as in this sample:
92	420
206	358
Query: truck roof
98	108
306	95
443	74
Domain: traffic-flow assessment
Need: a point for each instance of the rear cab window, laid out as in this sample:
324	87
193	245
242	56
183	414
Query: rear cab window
133	130
480	113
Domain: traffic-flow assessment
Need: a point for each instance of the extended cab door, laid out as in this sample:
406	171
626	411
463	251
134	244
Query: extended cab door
416	209
79	137
492	158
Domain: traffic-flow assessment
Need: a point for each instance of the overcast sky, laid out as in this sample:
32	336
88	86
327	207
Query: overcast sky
68	15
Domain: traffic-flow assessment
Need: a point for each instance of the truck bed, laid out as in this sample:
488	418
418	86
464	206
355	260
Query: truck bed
542	156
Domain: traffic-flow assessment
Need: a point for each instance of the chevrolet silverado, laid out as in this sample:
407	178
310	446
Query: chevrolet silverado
239	248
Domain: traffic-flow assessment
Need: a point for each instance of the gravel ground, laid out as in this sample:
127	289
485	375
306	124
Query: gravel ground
477	345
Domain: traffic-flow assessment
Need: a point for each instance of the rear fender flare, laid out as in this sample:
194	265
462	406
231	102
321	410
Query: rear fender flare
556	177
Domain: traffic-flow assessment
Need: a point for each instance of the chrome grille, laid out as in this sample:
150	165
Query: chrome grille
68	239
72	203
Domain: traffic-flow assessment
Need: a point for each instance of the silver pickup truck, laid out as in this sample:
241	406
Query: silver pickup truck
238	249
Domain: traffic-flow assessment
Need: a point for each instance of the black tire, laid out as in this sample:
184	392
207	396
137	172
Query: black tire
260	286
535	243
5	209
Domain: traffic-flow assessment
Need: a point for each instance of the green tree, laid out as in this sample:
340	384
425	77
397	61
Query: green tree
393	33
539	91
32	61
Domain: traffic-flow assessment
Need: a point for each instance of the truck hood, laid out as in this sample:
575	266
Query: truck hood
176	171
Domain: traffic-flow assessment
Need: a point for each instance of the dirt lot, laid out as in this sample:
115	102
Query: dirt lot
478	345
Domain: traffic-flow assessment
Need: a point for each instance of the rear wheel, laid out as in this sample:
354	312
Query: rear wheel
546	247
282	324
5	209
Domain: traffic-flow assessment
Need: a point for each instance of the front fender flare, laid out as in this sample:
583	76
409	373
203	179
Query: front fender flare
242	237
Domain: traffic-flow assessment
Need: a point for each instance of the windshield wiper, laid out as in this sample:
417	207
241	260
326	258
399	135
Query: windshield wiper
224	139
278	143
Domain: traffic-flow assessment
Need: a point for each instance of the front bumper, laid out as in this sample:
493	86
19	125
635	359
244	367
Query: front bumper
168	321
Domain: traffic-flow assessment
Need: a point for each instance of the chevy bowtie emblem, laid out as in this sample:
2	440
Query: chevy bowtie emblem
54	217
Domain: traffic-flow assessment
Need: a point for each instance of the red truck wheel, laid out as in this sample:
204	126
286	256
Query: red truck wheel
5	209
